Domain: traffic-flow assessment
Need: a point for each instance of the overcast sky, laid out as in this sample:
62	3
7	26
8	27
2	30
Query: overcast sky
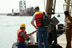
7	5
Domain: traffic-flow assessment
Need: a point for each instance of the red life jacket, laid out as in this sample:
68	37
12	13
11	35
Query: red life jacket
20	38
38	17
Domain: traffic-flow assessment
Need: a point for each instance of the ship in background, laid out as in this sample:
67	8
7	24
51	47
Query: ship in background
23	11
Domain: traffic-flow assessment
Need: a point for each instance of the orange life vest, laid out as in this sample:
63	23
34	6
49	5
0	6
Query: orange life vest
20	38
38	17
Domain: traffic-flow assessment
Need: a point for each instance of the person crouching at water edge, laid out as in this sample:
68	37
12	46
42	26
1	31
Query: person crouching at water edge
22	36
41	30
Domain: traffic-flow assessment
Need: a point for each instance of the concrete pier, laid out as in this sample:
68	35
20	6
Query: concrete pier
62	41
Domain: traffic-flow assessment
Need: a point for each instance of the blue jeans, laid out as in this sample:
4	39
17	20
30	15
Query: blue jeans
43	32
21	45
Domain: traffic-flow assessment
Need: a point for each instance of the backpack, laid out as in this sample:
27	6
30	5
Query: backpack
45	20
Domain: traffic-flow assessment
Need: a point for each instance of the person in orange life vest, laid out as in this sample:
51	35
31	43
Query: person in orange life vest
41	30
22	36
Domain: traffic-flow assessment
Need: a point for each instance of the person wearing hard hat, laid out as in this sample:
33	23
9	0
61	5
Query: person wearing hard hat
22	36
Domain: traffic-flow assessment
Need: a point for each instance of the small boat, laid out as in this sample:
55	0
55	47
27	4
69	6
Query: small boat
29	45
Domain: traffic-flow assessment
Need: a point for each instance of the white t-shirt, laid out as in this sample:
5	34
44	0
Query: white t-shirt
33	19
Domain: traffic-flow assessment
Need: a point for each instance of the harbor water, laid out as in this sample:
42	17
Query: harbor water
9	26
